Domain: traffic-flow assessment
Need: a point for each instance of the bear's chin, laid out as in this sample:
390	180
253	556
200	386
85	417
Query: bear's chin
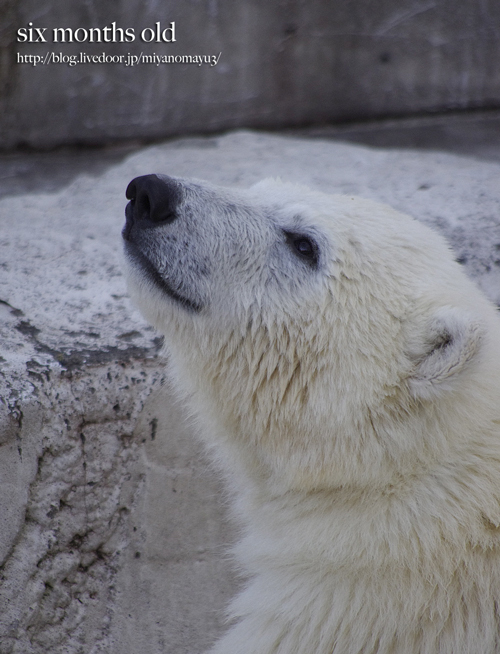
141	265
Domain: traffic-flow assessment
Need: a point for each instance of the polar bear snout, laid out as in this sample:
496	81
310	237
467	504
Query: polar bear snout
153	250
153	201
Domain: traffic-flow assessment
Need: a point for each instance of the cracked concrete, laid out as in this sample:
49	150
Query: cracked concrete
112	524
71	491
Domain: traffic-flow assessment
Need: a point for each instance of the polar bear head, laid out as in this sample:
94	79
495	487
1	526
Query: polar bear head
324	340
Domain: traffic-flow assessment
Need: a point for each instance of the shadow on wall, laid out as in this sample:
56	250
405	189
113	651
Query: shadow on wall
474	134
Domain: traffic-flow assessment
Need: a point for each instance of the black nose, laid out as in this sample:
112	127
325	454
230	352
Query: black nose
153	199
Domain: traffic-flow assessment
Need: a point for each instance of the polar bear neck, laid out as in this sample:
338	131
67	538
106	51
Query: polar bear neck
265	391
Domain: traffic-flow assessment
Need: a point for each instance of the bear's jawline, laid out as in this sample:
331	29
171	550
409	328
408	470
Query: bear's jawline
138	258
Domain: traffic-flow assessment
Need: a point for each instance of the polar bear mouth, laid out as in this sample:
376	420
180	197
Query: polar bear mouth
146	266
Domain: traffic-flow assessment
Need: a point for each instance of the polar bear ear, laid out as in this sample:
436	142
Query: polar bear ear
450	343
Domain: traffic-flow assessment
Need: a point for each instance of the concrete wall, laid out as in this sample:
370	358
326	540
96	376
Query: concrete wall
283	63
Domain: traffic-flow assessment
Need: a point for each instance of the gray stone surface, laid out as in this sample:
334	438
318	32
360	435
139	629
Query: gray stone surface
282	63
473	134
113	526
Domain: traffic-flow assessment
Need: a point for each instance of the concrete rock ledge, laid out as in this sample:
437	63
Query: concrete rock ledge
111	523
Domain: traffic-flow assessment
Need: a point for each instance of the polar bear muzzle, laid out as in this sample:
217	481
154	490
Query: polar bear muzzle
154	201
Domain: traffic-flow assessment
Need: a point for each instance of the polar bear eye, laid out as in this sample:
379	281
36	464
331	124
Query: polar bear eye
303	246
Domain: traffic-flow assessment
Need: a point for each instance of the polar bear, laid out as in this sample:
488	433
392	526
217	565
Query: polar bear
346	375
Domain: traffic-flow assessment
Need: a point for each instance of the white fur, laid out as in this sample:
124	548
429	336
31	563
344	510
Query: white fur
356	410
